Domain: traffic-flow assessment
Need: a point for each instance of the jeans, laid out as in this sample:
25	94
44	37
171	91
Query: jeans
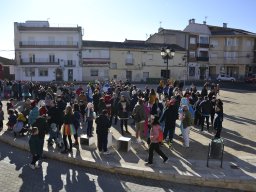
89	128
169	127
123	122
155	147
103	141
186	136
35	158
202	122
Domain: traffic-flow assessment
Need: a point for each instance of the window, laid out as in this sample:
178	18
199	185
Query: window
192	54
192	40
94	72
230	55
29	72
204	40
249	43
113	66
43	72
51	58
70	62
145	75
214	43
231	42
192	71
129	58
32	58
165	73
150	57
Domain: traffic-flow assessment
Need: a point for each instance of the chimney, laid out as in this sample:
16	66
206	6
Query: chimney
204	22
193	21
225	25
189	21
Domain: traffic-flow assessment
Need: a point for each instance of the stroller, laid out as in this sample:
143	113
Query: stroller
55	135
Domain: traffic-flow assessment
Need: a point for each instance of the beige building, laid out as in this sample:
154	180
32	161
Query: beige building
232	52
133	60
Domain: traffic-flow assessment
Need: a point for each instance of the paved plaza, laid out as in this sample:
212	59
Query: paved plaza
185	165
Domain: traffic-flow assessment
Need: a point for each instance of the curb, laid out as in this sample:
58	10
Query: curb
130	170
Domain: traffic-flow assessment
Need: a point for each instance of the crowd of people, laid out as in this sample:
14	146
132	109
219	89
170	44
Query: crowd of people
60	110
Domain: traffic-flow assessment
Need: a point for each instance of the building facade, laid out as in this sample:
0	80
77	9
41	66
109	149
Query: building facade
46	53
135	61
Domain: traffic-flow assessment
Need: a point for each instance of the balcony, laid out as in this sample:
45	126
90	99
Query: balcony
38	61
96	61
202	58
203	45
192	59
69	63
192	46
129	61
48	44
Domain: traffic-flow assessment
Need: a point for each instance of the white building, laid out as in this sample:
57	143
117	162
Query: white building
47	53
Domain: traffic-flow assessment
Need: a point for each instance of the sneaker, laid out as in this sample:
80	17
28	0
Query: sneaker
148	164
106	153
165	160
32	166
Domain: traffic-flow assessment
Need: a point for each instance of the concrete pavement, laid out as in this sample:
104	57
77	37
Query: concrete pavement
185	165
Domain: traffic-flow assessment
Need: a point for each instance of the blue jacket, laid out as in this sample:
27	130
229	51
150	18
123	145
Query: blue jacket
33	114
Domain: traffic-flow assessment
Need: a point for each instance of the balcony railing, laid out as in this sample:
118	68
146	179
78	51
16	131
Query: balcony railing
47	44
203	45
129	61
38	61
192	59
202	58
70	63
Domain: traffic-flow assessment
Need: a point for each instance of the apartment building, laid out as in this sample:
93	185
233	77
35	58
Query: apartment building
198	50
132	60
232	51
47	53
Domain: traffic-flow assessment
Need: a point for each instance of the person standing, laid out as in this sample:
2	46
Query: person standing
219	118
123	107
89	118
103	124
34	146
68	128
139	116
154	142
205	107
186	121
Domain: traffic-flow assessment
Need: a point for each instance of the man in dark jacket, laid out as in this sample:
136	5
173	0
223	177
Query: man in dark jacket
205	108
103	124
170	116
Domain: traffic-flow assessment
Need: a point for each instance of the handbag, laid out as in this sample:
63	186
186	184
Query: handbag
161	135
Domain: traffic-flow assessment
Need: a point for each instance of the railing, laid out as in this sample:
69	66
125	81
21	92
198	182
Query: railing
129	61
202	58
203	45
48	44
70	63
37	61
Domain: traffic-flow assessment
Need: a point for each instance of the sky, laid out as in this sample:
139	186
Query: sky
117	20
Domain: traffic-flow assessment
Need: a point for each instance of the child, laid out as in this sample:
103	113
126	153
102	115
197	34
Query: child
34	146
154	142
12	119
186	122
19	126
1	117
78	118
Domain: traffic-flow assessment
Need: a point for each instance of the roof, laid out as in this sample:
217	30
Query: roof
197	28
130	44
216	30
6	61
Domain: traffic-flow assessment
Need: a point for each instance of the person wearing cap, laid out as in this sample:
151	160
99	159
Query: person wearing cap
33	114
205	108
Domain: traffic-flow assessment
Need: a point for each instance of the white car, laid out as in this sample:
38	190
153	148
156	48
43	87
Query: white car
223	77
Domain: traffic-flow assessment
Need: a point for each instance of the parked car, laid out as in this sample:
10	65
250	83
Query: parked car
251	79
224	77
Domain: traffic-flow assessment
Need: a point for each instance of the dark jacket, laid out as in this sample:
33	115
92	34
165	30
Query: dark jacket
42	126
34	144
103	124
205	107
123	113
170	115
139	113
154	109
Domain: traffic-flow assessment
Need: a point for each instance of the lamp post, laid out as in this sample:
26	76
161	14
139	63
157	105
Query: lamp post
167	54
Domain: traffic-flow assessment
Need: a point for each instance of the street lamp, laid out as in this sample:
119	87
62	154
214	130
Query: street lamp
167	54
